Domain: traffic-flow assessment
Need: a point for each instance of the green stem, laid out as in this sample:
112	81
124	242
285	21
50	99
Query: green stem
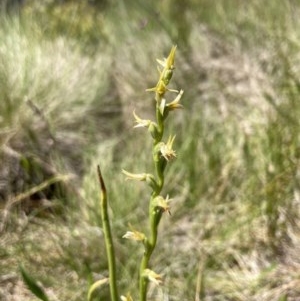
144	280
150	244
154	213
108	240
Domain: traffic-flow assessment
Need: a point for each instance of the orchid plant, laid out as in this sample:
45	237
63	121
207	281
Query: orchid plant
162	154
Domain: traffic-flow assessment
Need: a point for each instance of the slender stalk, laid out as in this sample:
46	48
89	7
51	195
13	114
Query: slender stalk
143	280
108	239
155	216
154	213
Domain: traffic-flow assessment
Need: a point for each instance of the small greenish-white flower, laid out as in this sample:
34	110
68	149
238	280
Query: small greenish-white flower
135	176
163	203
160	88
148	178
152	126
127	298
172	105
134	235
175	103
153	277
141	122
166	149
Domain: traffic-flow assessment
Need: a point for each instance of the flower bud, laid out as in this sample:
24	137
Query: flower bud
168	67
153	130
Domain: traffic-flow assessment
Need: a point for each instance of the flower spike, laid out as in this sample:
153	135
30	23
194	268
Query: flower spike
162	153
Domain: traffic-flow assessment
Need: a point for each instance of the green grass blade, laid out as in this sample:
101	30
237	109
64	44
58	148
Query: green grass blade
32	285
95	286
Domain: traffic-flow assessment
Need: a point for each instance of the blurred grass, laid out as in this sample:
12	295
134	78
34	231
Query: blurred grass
70	76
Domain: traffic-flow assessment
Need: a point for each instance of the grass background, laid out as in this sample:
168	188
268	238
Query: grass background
71	74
